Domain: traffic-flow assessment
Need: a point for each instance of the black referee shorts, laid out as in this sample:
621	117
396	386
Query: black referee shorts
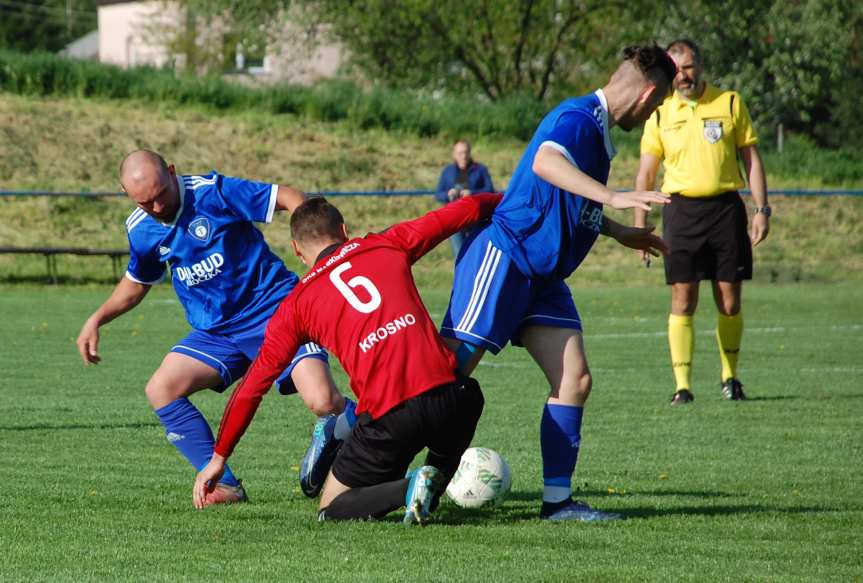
380	450
708	239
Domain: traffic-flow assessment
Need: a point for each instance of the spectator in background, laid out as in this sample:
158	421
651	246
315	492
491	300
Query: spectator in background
462	178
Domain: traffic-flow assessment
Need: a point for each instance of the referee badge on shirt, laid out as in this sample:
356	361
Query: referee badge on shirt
200	229
712	130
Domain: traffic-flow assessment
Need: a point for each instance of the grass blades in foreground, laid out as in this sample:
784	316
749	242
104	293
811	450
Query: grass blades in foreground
764	490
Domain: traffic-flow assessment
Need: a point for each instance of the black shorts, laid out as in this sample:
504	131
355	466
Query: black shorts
380	450
708	239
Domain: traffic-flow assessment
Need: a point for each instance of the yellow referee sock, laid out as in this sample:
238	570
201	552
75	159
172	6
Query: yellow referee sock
681	340
729	332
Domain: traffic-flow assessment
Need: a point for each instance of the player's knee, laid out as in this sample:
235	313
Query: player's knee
684	300
324	402
158	392
577	387
583	384
684	306
730	307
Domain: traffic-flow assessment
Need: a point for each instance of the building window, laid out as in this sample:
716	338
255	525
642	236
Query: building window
252	60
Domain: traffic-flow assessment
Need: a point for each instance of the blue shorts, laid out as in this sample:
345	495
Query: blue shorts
232	353
492	300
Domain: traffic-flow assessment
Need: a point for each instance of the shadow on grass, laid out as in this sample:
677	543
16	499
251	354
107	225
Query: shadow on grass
520	506
75	426
465	516
536	496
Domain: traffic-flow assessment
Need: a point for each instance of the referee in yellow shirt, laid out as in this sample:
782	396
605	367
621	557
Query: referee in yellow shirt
703	133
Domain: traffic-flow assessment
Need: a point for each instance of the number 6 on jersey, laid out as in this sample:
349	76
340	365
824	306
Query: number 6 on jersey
346	289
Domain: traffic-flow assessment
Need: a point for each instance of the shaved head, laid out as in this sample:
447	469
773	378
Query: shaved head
639	85
142	165
149	181
645	65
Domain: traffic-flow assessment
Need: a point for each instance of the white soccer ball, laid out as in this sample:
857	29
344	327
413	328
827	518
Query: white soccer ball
482	477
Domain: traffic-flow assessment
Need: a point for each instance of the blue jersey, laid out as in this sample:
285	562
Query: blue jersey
224	273
545	230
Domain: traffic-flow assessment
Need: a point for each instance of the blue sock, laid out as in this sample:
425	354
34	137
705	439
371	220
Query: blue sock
559	438
190	433
346	420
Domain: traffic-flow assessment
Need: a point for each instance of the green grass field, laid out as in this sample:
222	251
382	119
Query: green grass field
763	490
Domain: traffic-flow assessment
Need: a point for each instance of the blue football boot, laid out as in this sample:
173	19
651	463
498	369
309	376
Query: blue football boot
426	483
320	456
575	510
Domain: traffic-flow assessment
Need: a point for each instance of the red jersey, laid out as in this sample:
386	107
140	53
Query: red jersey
361	303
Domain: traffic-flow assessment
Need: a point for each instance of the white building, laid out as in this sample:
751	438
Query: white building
123	33
138	33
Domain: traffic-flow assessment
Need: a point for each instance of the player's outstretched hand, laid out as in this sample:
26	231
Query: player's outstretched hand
760	228
639	199
88	343
643	239
207	479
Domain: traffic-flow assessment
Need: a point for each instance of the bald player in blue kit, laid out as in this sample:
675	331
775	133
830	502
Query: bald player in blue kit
509	280
200	228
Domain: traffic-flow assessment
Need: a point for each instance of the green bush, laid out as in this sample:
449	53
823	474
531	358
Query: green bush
43	74
801	158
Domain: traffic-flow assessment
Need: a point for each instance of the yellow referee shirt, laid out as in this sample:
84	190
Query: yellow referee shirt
699	141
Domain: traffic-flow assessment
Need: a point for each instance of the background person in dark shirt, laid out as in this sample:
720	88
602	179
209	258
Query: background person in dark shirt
462	178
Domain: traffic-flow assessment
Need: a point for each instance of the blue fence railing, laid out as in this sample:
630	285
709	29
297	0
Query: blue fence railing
778	192
320	193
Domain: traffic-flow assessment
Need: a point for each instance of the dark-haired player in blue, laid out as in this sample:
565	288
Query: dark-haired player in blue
509	280
229	283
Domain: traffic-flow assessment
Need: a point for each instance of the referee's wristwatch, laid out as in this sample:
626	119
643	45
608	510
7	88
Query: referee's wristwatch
765	210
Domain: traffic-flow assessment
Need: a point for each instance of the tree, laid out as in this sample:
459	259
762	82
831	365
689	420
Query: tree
792	60
27	25
502	48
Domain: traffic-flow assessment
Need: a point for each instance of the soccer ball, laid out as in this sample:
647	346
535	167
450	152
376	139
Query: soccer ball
482	477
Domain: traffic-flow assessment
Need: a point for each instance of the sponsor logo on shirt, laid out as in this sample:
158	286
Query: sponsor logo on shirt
164	250
201	271
333	258
591	218
386	330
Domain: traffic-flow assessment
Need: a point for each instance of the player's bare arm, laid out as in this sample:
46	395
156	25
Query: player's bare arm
641	238
648	168
645	180
552	166
289	198
125	296
758	185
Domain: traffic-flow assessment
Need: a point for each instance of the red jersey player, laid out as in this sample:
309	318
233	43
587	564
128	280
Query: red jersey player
359	300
